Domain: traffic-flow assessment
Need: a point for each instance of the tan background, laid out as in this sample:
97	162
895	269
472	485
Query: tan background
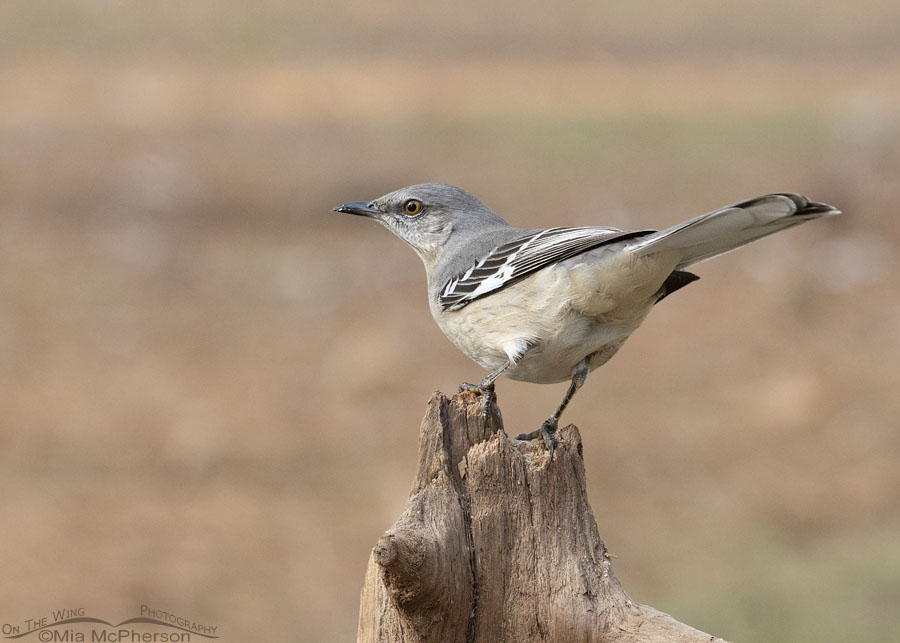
210	385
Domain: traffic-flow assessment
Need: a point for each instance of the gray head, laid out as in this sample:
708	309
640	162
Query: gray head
425	215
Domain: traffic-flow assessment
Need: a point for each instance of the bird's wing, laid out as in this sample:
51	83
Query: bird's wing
508	263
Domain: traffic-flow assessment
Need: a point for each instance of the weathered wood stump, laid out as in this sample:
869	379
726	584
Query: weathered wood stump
496	546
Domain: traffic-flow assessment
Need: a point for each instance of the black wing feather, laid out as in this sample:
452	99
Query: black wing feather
513	261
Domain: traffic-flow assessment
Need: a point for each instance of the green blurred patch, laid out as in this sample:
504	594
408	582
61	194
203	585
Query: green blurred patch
701	140
845	588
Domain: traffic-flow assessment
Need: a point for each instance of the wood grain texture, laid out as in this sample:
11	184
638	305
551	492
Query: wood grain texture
495	545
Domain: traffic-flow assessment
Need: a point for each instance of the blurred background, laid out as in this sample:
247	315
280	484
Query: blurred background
212	385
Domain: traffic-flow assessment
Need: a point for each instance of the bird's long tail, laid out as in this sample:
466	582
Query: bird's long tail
726	229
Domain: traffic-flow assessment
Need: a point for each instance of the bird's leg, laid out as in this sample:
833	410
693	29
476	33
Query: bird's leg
548	428
486	388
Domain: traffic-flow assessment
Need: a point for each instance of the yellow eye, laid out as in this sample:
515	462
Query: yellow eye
412	206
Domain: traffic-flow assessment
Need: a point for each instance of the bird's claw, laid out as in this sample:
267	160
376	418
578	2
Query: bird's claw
486	390
547	431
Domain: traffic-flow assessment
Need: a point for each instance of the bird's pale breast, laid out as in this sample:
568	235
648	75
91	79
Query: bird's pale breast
550	321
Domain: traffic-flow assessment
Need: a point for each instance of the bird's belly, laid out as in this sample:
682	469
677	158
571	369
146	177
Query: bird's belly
553	320
490	334
543	354
554	357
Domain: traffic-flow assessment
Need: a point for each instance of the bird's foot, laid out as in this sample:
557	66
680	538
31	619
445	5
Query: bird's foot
547	431
485	390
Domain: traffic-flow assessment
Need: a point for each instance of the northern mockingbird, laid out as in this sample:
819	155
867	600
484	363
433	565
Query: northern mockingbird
548	305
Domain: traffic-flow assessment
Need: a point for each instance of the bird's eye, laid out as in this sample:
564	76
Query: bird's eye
412	206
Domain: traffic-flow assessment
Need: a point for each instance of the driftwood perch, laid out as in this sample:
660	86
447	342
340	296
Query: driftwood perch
496	546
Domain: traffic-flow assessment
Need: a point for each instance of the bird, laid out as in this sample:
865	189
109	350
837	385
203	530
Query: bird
548	305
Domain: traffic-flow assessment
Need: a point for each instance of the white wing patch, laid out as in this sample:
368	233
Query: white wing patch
511	262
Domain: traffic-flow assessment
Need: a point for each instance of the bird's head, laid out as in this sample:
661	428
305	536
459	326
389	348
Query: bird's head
426	215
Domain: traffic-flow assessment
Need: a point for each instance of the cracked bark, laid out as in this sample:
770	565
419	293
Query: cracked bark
494	546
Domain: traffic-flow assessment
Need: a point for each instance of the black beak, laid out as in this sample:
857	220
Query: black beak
362	208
